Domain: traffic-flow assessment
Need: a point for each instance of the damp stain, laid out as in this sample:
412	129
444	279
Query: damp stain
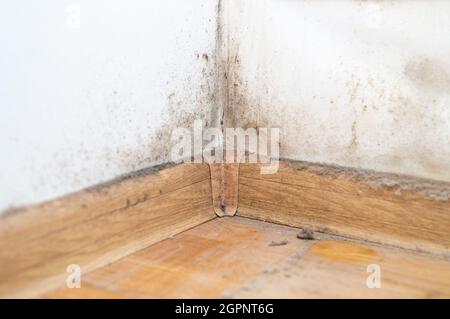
430	74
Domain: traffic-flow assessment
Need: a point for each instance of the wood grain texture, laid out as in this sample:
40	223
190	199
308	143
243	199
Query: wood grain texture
94	227
348	204
224	183
238	257
339	269
208	261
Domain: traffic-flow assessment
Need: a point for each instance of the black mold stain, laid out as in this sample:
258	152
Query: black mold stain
207	104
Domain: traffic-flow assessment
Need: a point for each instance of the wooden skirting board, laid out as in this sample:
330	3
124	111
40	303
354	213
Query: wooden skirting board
224	183
99	225
382	208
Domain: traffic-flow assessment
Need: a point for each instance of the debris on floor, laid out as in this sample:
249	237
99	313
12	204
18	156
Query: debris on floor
279	243
306	234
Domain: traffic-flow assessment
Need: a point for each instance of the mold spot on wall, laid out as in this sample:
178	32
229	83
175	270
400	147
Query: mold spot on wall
180	115
429	74
245	110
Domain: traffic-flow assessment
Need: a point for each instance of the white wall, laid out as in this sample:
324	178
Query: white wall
80	106
356	83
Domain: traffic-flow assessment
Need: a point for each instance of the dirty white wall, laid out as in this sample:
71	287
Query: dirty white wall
355	83
85	100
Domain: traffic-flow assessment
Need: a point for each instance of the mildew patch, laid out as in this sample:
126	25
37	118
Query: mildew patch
429	74
181	115
435	190
113	108
333	100
245	110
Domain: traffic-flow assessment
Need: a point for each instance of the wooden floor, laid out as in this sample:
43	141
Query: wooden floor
234	257
100	225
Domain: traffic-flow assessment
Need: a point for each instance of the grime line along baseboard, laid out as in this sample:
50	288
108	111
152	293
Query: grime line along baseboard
383	208
96	226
